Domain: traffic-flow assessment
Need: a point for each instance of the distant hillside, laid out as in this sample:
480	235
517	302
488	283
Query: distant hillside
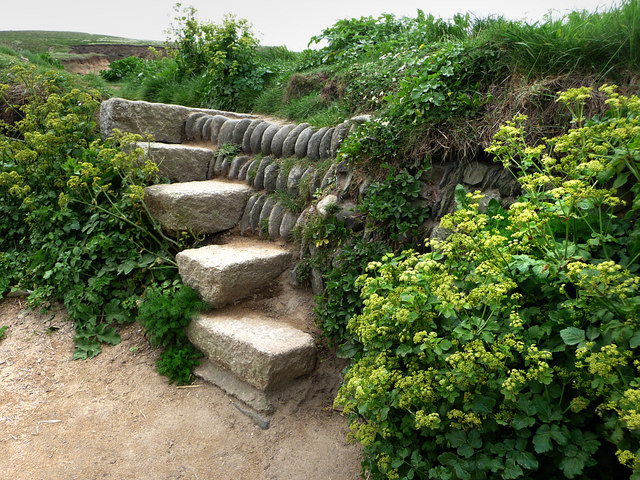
60	43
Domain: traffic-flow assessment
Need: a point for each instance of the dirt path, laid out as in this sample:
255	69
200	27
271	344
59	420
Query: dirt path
114	417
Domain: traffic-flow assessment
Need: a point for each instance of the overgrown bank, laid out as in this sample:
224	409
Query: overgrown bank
507	346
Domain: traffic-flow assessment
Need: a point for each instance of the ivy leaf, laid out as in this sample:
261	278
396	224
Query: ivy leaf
572	335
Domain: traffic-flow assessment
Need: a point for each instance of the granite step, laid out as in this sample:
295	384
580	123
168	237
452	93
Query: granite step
224	274
200	207
179	163
250	356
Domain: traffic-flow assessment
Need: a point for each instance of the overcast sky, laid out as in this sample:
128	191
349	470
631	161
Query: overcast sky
277	22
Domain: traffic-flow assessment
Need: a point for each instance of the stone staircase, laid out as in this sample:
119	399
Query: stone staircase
259	336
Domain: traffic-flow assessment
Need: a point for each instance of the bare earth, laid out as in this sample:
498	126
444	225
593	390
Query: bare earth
114	417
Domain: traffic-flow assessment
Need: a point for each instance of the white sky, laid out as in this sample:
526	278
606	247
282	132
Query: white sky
277	22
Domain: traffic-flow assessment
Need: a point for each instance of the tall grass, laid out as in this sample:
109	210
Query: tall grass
603	43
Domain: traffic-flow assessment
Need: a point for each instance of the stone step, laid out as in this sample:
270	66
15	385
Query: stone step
224	274
250	356
179	163
209	206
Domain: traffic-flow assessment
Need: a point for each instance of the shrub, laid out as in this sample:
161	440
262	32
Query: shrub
164	313
225	55
510	349
72	218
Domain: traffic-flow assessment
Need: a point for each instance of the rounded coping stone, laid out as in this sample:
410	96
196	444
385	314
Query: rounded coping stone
313	147
293	180
339	134
279	138
275	219
256	136
252	166
190	123
246	139
258	182
238	132
303	141
307	178
226	131
269	203
217	167
236	165
289	144
254	215
206	129
216	125
288	222
267	138
271	177
329	177
226	164
211	166
281	182
317	179
325	144
197	127
242	174
245	223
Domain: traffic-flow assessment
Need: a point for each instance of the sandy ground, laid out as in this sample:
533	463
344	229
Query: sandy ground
114	417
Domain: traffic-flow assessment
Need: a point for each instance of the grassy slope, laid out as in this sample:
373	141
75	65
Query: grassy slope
38	41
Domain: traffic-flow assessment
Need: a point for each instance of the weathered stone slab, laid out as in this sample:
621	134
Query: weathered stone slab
190	123
239	131
288	222
202	207
256	137
226	132
223	274
262	352
216	125
289	145
339	134
324	150
236	166
293	180
258	181
271	177
164	122
313	147
246	139
275	220
278	140
178	163
267	138
303	142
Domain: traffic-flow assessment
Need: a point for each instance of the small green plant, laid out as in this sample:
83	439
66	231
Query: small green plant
392	206
164	313
228	150
341	299
3	332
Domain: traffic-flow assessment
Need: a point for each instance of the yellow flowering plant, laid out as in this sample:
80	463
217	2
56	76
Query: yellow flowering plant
510	349
73	224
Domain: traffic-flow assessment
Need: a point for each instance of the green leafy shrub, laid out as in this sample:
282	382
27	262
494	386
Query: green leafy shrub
164	313
225	55
510	349
72	216
341	299
392	206
124	68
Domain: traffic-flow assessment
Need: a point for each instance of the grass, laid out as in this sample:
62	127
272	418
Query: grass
40	41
